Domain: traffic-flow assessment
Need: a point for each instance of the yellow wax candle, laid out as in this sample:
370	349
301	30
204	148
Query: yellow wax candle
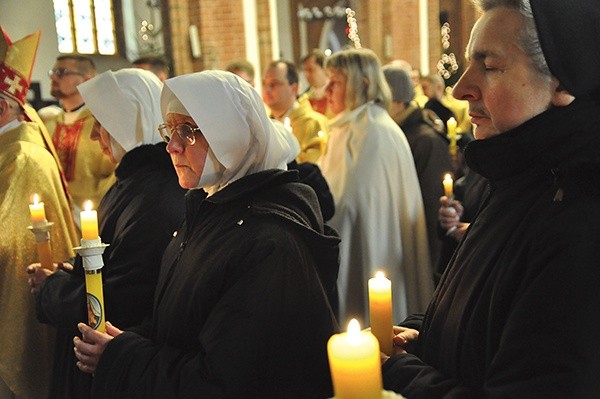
89	222
451	127
322	141
45	254
380	311
38	213
448	185
95	300
355	365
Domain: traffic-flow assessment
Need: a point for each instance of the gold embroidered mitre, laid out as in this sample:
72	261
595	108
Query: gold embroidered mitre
16	65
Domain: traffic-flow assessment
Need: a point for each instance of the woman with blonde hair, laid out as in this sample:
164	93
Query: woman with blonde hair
379	210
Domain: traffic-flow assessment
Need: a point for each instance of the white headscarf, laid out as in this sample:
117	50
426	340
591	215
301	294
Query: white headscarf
232	118
127	105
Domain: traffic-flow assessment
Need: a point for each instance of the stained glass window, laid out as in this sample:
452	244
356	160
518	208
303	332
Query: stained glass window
85	26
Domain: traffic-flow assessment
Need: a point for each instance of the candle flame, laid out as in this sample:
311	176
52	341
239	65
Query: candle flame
320	134
380	275
88	205
36	199
353	327
447	176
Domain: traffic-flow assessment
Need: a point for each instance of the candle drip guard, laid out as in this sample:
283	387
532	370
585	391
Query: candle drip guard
41	230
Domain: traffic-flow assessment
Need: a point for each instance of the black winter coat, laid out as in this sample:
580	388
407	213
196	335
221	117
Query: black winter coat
432	162
137	217
241	308
516	312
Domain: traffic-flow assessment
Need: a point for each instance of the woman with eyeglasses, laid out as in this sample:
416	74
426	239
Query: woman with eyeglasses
137	217
241	307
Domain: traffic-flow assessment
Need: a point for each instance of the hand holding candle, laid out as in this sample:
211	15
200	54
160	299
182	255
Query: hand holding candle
380	310
355	364
448	186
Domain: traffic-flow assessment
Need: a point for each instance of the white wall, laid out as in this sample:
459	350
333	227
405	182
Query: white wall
22	17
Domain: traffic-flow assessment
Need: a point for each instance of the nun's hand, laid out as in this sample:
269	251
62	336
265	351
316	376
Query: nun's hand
404	339
91	345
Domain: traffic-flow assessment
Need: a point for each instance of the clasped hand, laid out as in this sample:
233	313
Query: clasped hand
90	347
404	339
38	274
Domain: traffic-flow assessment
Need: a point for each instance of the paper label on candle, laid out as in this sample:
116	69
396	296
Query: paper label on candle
95	301
94	311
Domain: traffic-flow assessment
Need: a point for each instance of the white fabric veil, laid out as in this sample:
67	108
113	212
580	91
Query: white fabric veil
232	117
127	105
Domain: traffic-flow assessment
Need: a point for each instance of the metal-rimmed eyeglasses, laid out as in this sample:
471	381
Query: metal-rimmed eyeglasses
184	130
62	72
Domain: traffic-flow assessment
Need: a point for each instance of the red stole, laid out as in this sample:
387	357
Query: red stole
65	141
319	105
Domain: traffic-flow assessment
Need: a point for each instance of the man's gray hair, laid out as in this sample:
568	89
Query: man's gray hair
529	40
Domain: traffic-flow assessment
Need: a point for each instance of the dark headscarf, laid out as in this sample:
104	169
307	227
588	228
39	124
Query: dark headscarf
569	32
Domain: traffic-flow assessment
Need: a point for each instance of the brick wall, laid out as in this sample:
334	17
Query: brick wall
221	29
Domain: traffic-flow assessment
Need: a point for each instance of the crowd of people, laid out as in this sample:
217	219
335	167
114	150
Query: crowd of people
243	226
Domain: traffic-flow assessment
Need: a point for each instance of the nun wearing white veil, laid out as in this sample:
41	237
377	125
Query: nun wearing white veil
241	307
137	217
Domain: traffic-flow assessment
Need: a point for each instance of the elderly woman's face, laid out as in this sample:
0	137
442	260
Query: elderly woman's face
102	136
187	158
336	90
500	84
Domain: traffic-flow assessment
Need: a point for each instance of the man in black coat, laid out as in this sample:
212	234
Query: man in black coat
514	315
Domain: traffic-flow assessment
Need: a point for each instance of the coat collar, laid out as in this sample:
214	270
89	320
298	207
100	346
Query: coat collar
245	186
559	138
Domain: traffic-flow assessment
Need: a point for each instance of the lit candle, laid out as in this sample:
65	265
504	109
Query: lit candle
41	229
287	124
322	141
355	365
380	311
451	127
89	222
38	214
448	183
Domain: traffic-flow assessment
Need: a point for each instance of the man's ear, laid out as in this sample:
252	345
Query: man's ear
561	97
295	88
